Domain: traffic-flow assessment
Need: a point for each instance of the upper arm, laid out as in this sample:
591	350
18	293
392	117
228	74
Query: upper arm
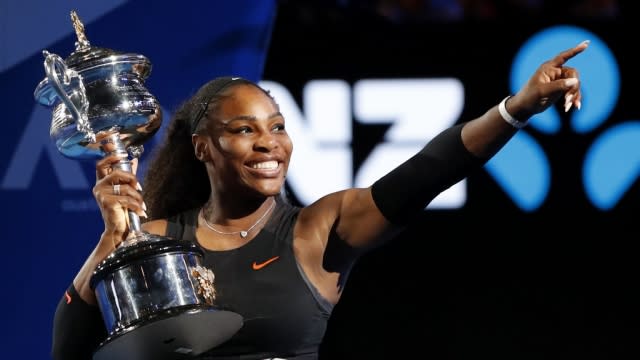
351	214
332	232
360	224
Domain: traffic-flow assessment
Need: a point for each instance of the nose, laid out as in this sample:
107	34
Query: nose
265	142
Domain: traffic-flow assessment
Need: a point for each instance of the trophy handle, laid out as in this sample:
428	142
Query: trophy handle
56	68
111	143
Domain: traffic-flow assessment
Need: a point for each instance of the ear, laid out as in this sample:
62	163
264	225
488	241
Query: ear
200	147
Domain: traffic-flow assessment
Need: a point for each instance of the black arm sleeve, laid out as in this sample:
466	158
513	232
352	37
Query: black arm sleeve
78	328
410	187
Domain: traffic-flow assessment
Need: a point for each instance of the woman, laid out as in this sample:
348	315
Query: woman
218	179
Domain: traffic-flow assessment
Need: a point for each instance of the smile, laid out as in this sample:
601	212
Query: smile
265	165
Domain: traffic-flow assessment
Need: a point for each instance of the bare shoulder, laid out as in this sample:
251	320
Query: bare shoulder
326	213
326	208
157	227
334	204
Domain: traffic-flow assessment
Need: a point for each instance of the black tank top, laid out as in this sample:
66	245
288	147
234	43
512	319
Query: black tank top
284	315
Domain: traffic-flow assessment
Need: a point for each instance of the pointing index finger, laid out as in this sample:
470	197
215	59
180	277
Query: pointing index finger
564	56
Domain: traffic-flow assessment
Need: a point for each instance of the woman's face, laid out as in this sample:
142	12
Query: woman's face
250	148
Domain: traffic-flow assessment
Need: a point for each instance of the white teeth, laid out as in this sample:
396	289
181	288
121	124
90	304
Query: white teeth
270	165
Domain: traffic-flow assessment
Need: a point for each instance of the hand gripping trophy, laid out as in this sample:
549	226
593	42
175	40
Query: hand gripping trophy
156	299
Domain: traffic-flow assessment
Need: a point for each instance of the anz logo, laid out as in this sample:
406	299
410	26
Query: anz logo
418	109
322	157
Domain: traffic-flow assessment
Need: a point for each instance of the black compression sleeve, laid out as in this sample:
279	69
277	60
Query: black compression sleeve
78	328
410	187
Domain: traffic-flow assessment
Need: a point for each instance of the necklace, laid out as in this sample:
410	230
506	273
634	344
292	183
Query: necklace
243	233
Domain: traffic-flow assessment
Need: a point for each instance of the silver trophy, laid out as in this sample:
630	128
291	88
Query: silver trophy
156	299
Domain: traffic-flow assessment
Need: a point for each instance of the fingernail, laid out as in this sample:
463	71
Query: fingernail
568	98
567	102
578	104
570	82
567	106
144	206
586	42
138	187
144	214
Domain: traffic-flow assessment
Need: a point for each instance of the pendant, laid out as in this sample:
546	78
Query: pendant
243	234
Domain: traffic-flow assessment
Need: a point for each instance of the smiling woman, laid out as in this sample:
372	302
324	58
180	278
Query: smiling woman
218	182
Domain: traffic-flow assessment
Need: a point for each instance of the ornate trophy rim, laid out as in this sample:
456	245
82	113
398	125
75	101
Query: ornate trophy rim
87	58
122	63
152	246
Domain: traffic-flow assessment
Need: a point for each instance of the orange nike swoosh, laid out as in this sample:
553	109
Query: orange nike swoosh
68	297
257	266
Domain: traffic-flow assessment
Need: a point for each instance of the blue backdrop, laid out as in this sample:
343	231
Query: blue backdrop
48	210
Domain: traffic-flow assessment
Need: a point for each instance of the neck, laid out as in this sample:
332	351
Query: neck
236	214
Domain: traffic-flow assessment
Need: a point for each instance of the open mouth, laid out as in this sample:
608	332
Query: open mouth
265	165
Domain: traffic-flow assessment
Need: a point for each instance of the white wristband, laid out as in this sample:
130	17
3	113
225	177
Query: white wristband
507	117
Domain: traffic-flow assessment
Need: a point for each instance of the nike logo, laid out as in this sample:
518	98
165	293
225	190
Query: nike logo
67	297
259	266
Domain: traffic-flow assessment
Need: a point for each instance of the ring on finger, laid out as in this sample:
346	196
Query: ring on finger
116	189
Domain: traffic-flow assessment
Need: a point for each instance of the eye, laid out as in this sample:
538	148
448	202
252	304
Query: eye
278	127
244	130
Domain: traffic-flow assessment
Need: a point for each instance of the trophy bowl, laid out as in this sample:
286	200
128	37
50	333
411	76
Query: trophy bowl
156	299
105	91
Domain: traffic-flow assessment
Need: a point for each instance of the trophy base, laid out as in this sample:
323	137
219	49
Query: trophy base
172	337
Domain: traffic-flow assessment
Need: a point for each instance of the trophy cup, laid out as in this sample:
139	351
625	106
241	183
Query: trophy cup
156	299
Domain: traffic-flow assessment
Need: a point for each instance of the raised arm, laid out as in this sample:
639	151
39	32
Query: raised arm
363	214
78	327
